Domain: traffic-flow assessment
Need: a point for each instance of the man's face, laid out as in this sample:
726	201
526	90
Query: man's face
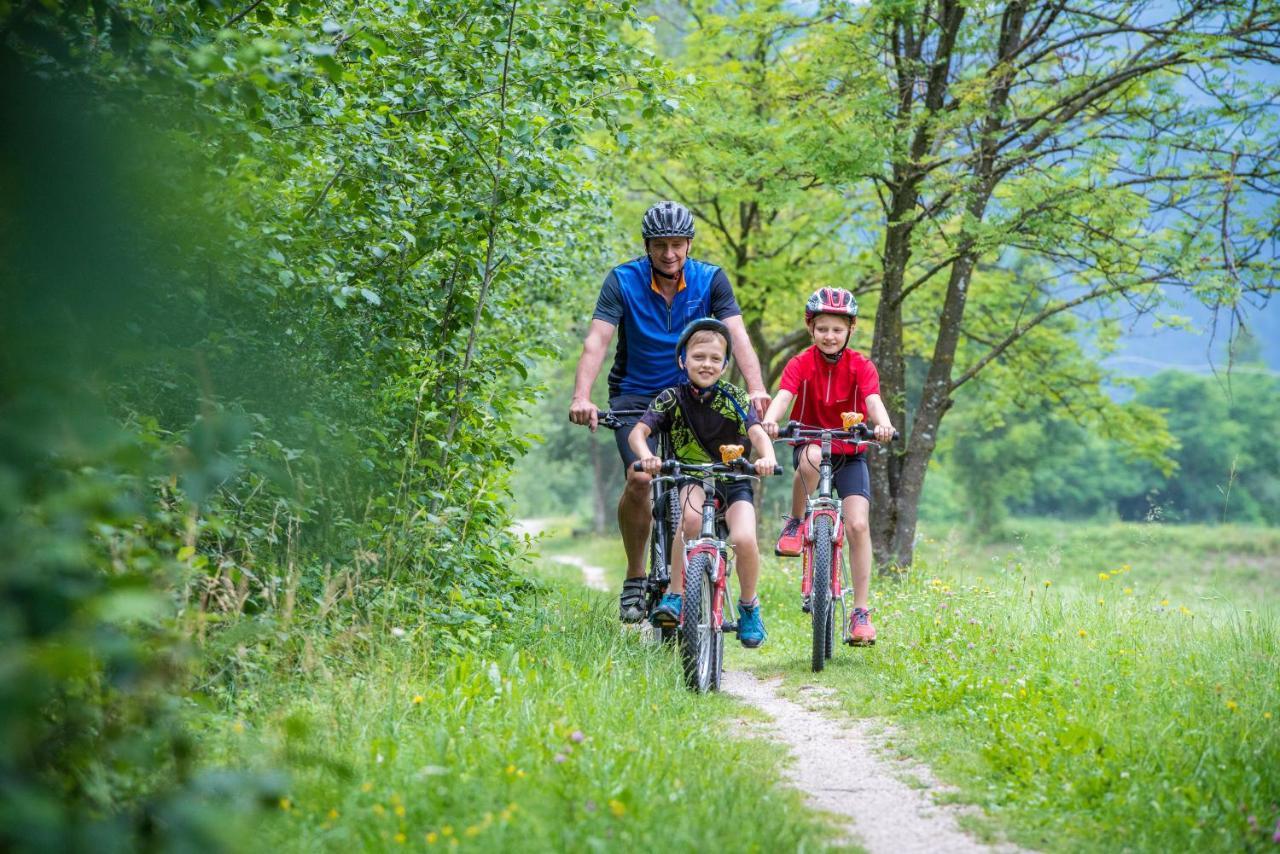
704	359
831	332
667	254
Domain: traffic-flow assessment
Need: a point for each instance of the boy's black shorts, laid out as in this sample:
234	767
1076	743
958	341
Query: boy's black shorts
849	472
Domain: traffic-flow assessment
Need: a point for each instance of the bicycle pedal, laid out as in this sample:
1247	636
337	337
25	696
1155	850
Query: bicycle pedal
806	606
729	627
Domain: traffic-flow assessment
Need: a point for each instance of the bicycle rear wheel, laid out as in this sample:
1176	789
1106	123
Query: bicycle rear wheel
697	644
820	599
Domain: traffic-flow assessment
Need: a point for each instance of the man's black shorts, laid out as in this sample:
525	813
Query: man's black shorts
849	473
631	401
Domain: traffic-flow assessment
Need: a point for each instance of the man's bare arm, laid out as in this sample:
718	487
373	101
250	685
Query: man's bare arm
594	347
748	363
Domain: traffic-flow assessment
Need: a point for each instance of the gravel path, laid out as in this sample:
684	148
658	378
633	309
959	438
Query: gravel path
839	769
592	576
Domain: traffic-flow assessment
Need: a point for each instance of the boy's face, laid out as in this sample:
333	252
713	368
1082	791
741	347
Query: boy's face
831	332
704	359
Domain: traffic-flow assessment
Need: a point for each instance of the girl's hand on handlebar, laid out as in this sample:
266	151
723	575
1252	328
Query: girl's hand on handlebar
770	428
767	465
885	433
650	465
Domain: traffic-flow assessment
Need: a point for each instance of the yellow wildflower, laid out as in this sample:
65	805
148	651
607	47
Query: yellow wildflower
1232	705
511	769
1184	610
286	804
520	772
1102	576
1083	633
333	813
237	727
400	838
1128	591
617	807
432	838
1164	603
400	810
1101	600
1266	715
417	699
447	830
1047	582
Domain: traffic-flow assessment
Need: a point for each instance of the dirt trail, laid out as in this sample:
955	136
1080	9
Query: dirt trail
840	771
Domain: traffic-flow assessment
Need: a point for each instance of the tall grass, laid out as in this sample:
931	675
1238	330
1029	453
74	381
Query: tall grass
1091	718
563	732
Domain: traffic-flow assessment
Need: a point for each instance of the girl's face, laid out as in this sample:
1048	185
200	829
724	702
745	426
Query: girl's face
831	332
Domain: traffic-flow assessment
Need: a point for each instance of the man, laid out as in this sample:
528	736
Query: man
649	301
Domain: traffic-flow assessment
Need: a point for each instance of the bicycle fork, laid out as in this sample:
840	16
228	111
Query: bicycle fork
837	547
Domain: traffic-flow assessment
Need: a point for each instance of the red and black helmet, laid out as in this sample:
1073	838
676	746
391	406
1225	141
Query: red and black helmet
830	301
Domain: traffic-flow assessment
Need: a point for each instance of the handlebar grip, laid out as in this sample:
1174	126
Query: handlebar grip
636	466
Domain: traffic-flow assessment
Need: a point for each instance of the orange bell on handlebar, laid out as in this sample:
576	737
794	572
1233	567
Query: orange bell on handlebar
850	418
729	453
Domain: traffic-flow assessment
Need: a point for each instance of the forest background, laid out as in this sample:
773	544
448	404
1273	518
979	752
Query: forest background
283	282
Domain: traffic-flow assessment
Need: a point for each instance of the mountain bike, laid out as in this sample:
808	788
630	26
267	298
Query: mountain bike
708	564
666	517
825	572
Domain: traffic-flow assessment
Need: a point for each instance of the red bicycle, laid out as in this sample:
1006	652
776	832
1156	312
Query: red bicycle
708	563
825	572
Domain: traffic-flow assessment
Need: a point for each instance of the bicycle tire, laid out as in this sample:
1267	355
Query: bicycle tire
820	599
697	645
831	630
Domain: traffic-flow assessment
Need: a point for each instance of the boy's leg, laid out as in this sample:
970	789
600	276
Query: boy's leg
668	611
741	518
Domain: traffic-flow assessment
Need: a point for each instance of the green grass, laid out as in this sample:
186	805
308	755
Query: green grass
564	733
1133	712
1078	715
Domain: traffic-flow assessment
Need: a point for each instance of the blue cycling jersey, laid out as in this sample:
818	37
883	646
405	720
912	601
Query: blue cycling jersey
649	327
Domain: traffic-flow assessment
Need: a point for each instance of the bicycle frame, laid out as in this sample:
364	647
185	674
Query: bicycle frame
710	542
825	504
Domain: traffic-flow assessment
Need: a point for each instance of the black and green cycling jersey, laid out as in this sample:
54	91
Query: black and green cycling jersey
700	422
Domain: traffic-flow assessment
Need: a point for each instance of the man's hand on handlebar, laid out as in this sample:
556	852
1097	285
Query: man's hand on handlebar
583	411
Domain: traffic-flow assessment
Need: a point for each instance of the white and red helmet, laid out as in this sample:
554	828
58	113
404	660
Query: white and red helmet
830	301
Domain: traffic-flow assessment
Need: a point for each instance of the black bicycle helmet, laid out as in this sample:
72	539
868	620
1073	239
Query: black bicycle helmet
667	219
707	323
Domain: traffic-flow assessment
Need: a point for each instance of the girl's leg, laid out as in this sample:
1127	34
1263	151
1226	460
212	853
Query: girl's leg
857	533
806	479
690	524
741	518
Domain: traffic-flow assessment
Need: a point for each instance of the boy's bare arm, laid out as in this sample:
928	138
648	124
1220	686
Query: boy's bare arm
638	439
880	418
779	406
766	462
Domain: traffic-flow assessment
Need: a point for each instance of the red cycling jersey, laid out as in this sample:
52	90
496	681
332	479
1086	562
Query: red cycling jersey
823	389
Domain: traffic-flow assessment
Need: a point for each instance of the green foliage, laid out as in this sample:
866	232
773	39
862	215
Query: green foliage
274	281
1034	461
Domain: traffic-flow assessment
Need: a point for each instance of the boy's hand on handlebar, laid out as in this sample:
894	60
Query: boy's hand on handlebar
583	411
650	465
767	465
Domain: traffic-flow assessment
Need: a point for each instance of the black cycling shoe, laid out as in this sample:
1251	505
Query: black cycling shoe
631	605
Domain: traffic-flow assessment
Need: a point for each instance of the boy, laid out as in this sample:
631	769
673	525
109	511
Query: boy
701	415
825	380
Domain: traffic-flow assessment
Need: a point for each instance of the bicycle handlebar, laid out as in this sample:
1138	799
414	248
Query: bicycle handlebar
739	468
860	432
612	418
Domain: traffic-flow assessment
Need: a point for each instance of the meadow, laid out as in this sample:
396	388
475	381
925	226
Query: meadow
1089	687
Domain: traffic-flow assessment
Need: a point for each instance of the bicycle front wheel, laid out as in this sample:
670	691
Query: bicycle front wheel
697	644
820	599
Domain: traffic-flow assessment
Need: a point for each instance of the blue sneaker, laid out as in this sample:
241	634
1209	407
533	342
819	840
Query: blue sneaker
750	627
667	614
